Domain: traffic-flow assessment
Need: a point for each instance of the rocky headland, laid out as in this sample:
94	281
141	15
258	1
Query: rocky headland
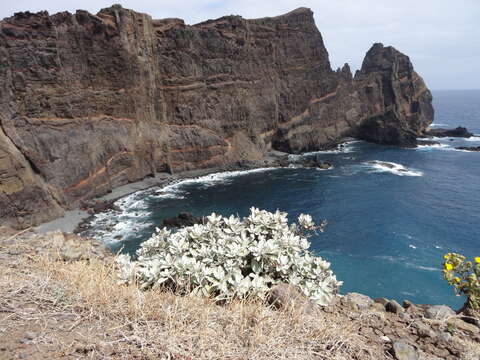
92	102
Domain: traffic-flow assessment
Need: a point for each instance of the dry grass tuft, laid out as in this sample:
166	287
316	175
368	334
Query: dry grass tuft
161	322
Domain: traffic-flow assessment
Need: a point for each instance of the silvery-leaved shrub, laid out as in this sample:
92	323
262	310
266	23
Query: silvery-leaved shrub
229	257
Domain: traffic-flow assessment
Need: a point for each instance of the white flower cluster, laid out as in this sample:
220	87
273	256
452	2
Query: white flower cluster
233	257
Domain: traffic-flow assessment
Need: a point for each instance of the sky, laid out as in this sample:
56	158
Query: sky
441	37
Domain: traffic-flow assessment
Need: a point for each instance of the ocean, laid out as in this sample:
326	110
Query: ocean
392	213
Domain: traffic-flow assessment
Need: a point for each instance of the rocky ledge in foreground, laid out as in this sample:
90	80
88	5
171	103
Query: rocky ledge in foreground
418	331
91	102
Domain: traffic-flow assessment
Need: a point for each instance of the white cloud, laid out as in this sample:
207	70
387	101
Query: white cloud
442	37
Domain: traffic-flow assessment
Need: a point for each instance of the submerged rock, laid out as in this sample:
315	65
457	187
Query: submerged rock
182	219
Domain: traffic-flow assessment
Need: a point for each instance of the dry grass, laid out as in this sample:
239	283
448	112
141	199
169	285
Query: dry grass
51	309
199	328
79	310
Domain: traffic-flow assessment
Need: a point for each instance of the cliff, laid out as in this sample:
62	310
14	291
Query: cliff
91	102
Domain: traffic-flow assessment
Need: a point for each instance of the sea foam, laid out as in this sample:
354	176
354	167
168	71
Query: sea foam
210	180
377	166
112	227
348	147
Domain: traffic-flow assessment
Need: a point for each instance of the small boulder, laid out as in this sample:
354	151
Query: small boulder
30	335
381	300
439	312
444	337
357	301
423	330
404	316
385	339
394	307
471	320
403	351
461	325
324	165
287	296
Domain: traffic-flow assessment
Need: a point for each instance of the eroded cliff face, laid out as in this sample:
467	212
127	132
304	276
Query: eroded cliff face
91	102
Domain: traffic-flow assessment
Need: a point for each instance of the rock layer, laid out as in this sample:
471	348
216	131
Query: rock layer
91	102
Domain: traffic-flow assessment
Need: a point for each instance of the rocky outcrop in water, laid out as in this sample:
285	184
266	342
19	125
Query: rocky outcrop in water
183	219
91	102
457	132
468	148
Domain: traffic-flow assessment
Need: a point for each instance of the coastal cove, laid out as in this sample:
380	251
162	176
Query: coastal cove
226	186
392	212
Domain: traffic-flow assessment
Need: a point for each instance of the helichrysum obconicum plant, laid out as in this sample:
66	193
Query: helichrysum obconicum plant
233	258
464	277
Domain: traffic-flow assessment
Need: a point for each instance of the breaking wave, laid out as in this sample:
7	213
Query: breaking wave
346	147
438	125
377	166
210	180
132	214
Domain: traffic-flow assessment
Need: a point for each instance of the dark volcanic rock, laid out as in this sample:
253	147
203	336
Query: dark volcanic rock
91	102
402	106
457	132
468	148
307	162
182	219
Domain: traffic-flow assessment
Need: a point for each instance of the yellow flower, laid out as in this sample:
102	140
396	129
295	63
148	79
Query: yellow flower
446	256
477	259
457	279
448	266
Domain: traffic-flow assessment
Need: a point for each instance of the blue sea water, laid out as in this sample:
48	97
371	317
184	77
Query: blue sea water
388	225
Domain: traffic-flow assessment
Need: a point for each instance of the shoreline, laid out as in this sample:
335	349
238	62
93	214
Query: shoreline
74	218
